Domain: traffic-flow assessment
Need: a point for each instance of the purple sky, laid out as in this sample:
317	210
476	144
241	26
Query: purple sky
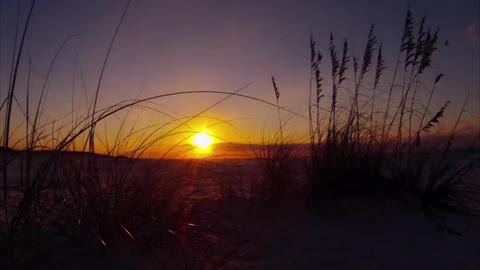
166	46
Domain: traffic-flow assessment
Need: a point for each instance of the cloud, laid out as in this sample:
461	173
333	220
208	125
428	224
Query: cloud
472	33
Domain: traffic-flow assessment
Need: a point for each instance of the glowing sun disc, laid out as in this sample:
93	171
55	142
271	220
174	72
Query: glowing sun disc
202	140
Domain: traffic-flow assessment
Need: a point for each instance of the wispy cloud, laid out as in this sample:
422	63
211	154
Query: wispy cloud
472	33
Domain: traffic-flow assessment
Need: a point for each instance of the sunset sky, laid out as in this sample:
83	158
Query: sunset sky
167	46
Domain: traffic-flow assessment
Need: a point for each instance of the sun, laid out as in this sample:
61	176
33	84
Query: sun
202	140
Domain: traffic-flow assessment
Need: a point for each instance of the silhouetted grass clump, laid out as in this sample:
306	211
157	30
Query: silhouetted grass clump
275	157
360	145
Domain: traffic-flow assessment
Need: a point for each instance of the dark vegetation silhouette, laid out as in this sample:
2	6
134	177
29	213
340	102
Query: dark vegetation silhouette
366	145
